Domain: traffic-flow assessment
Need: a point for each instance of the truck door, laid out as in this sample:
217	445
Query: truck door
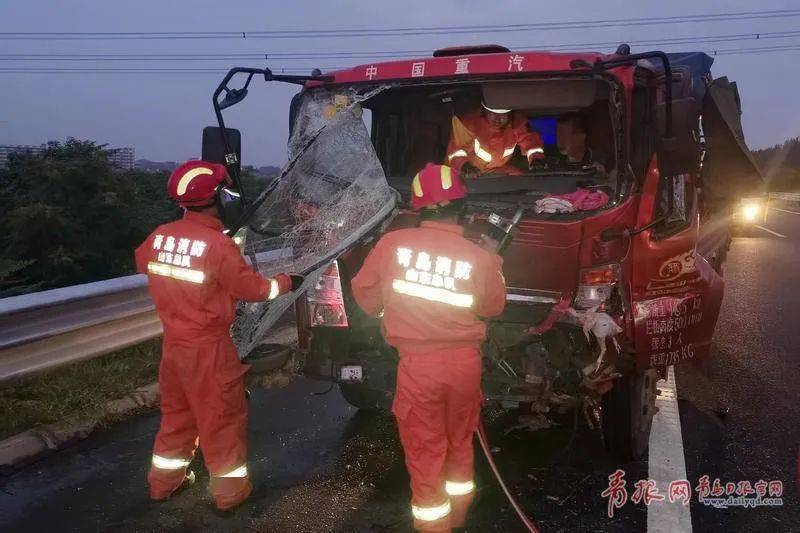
675	293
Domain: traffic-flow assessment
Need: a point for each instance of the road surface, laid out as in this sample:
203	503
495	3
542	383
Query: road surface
319	465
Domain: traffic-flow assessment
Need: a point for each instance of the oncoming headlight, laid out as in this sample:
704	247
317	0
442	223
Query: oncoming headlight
750	211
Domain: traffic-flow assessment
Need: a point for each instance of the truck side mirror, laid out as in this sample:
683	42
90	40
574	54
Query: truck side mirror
223	148
678	153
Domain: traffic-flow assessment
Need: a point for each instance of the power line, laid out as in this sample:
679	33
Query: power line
385	32
295	70
386	53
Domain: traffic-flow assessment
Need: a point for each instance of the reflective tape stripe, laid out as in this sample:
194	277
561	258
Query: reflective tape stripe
499	111
457	153
447	178
432	294
165	463
170	271
187	178
274	289
459	488
508	151
417	186
429	514
236	472
534	151
480	152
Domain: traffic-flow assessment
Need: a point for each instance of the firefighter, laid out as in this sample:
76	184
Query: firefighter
433	287
487	142
196	273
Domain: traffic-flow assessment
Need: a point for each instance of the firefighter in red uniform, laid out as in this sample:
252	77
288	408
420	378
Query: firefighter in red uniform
196	273
486	142
433	287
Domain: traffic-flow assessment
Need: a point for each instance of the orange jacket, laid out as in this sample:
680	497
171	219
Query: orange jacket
473	140
433	286
196	273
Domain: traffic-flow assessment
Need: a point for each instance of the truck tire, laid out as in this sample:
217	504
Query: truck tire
364	398
627	415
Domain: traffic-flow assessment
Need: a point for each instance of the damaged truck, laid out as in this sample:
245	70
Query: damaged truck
602	296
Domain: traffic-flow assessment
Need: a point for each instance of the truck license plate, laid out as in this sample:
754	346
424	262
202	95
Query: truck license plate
351	373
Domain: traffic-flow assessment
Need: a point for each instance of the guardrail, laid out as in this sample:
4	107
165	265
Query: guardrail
48	329
44	330
787	196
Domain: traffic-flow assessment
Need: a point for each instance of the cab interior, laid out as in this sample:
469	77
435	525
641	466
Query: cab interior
411	126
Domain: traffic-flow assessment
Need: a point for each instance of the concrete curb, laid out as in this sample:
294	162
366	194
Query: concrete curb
34	444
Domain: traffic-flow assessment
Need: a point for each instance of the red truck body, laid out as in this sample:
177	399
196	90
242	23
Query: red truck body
651	258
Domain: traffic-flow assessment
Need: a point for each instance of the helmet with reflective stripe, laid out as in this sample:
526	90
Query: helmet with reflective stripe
435	184
194	183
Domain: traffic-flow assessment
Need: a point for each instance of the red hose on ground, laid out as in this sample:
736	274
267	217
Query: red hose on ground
487	451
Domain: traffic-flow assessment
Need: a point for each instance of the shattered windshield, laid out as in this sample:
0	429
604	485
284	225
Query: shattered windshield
331	193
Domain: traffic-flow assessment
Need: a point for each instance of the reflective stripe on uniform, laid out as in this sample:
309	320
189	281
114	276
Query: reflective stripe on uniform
447	178
534	151
457	153
480	152
274	289
417	186
236	472
459	488
429	514
509	151
170	271
165	463
432	294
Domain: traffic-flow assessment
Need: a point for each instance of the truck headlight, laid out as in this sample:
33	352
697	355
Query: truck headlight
596	286
750	211
325	300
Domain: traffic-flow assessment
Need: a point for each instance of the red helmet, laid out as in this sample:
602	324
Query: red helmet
195	183
434	184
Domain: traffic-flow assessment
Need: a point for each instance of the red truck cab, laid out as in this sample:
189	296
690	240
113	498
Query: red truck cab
649	258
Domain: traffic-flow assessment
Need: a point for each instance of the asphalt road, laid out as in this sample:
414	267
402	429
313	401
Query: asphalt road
319	465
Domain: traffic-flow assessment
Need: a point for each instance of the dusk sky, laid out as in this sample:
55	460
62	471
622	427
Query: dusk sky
162	114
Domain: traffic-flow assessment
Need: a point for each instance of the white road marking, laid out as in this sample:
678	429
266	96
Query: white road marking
666	462
784	210
770	231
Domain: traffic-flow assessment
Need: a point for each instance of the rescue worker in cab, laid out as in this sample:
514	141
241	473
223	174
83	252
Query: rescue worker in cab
196	273
492	141
434	286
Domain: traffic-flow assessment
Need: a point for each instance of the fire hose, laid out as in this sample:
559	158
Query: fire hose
529	524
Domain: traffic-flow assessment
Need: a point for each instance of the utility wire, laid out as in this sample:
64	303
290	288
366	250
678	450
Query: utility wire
385	32
289	56
293	70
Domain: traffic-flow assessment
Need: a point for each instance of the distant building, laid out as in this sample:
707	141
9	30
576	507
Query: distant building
28	149
124	158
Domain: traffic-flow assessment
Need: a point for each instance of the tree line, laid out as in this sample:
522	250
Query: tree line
67	216
780	165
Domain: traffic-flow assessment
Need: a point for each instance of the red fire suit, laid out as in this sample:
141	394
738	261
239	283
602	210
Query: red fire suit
196	273
433	285
475	141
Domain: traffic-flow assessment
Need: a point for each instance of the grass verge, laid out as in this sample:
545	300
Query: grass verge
78	391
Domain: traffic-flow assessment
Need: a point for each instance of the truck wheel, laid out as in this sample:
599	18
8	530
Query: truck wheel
364	398
627	415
